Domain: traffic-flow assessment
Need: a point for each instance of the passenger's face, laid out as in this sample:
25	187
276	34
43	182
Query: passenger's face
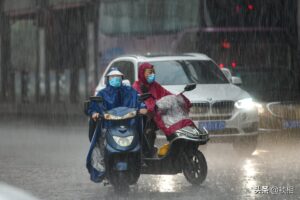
148	72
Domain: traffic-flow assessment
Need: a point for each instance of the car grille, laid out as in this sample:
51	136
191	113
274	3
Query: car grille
223	107
200	108
221	110
285	110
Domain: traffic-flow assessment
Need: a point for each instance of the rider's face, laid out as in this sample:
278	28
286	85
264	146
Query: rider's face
148	72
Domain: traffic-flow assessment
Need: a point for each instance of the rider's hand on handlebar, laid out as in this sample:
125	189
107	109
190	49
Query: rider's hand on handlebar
143	111
95	116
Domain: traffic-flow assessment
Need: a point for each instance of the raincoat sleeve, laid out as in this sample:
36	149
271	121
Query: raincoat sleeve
139	104
137	90
157	92
147	105
136	87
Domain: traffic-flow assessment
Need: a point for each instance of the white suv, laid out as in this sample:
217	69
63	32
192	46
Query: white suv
223	108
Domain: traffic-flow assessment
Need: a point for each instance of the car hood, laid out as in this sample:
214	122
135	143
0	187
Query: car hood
210	92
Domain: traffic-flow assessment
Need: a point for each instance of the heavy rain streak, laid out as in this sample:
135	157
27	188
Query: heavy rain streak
149	99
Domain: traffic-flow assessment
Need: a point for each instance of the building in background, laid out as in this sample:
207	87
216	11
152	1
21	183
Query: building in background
53	51
48	50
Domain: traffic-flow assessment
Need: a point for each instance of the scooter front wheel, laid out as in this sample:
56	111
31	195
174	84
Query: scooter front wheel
195	167
120	182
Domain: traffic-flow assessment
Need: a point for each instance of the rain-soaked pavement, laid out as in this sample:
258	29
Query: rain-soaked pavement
49	162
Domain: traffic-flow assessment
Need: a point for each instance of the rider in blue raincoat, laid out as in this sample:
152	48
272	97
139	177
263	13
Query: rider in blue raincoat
115	94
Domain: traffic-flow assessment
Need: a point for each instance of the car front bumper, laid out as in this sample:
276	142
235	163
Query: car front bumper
240	123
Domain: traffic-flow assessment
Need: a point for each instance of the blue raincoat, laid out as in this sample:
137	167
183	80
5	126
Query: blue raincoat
124	96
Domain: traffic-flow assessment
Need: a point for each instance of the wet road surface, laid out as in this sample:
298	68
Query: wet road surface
49	162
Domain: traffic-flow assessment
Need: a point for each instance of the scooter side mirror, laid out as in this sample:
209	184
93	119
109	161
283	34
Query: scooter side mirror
144	96
86	105
96	99
190	87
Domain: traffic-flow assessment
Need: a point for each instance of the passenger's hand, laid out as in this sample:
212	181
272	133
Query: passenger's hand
95	116
143	111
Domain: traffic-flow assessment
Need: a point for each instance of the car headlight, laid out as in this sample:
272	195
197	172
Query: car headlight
259	107
123	141
245	104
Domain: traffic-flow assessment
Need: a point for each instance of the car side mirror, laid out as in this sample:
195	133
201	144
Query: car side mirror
236	80
227	73
190	87
144	96
96	99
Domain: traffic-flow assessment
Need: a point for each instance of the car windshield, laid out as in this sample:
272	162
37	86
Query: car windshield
181	72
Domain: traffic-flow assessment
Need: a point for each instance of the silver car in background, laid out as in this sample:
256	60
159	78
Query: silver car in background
225	110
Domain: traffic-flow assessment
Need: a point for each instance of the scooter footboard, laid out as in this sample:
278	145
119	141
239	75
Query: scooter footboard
157	166
168	164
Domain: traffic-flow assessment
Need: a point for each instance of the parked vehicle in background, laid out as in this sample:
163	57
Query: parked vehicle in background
224	109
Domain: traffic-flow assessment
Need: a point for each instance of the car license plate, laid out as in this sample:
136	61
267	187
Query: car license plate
212	125
291	124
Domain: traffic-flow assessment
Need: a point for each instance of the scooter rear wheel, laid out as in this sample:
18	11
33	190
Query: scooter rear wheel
195	167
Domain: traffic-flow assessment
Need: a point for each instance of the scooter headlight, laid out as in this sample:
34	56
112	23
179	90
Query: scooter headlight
123	141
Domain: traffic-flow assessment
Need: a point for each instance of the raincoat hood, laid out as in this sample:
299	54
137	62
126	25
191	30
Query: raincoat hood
115	72
141	72
142	86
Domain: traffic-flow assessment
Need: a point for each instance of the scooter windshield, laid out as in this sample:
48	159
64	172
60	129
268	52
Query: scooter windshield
172	109
120	113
